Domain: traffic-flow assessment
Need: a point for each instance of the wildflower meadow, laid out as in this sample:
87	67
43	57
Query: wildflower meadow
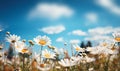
59	35
20	56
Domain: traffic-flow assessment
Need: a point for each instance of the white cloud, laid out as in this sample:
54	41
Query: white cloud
75	41
53	29
1	28
98	38
101	33
60	39
91	17
78	32
51	11
109	5
103	30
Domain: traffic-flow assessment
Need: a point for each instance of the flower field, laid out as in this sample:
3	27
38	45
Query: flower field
19	56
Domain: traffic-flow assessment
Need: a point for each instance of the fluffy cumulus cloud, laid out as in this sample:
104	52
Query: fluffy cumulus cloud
53	29
91	17
101	33
51	11
109	5
78	33
60	39
75	41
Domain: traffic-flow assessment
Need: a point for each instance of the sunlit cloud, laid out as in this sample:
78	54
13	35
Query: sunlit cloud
109	5
101	33
53	29
103	30
98	38
60	39
91	17
75	41
78	33
51	11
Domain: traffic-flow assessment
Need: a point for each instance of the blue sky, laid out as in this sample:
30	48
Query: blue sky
77	20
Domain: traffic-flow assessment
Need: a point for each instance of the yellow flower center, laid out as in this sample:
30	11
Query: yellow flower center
42	42
117	39
24	50
13	41
104	44
102	55
77	48
113	48
47	55
42	65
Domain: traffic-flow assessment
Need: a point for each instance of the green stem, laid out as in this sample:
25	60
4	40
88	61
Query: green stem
23	62
41	54
72	50
15	57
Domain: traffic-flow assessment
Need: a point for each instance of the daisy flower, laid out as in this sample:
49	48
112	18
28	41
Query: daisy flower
91	69
89	49
78	48
116	36
106	43
36	55
42	40
48	54
44	67
88	59
76	59
24	50
67	62
12	38
93	50
19	46
102	51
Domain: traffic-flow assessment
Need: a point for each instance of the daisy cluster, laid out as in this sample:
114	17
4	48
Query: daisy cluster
20	56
